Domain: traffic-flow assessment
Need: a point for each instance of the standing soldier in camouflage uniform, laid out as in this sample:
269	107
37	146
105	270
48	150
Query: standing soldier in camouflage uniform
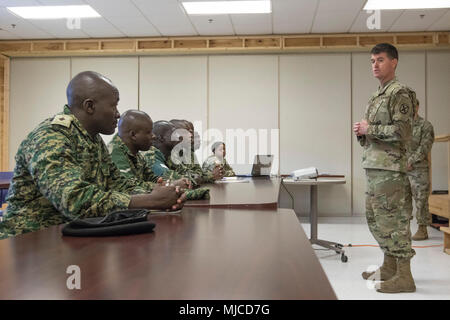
385	134
64	171
218	158
418	170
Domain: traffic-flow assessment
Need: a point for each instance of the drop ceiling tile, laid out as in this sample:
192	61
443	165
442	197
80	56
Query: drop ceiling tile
441	24
61	2
252	23
387	18
167	16
5	35
23	28
18	3
59	28
293	16
220	24
411	20
336	16
125	16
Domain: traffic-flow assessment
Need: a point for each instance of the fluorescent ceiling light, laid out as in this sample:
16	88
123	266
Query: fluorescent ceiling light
228	7
406	4
55	12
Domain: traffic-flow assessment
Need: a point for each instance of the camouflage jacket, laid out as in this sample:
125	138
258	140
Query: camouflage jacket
130	165
192	171
211	162
61	174
389	114
156	160
421	143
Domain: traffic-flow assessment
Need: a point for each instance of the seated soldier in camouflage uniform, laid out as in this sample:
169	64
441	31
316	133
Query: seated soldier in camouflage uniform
156	159
64	171
419	170
218	158
183	159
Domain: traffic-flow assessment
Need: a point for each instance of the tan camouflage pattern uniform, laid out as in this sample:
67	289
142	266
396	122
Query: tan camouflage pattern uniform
210	163
421	143
388	197
61	174
130	165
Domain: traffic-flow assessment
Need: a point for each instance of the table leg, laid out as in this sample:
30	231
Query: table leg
313	211
313	218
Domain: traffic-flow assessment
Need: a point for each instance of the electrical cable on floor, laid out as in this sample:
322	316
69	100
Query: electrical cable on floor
285	188
377	246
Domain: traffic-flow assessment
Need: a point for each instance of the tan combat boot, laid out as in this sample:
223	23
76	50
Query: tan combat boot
402	281
386	271
421	233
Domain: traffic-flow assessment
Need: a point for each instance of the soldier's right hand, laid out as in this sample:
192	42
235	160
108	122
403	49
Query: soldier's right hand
161	198
218	172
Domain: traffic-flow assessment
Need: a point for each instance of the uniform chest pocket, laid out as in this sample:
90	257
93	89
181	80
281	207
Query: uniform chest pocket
380	113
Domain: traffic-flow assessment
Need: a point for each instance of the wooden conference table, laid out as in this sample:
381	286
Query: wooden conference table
202	253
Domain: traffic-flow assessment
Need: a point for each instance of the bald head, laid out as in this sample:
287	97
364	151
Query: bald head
133	120
93	100
135	130
162	128
88	85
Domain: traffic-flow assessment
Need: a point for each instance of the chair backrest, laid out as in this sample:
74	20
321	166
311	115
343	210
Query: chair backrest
6	175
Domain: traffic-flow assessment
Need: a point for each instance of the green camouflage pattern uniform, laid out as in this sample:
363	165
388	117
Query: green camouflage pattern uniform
193	171
210	163
62	174
156	160
389	114
130	165
421	143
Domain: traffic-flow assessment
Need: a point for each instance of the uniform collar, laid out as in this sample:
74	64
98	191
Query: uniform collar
79	126
383	89
120	144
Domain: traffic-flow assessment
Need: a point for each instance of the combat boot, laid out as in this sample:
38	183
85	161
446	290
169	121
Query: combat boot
402	281
421	233
387	270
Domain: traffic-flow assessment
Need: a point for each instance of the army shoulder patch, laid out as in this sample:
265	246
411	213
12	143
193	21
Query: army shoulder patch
404	109
63	120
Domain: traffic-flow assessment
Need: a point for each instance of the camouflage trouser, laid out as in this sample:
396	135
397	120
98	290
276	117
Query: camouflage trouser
420	187
389	211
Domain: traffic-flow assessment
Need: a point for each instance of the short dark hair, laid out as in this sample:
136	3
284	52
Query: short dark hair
216	145
390	50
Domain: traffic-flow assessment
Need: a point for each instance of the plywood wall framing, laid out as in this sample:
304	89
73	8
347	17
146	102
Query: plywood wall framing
4	112
241	44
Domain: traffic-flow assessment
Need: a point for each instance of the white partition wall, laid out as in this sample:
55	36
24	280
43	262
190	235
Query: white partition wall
438	102
122	71
243	96
315	123
37	91
299	107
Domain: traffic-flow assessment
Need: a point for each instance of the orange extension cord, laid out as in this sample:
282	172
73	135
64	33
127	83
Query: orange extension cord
377	246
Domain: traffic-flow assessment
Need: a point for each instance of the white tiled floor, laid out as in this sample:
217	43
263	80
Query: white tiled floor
430	266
